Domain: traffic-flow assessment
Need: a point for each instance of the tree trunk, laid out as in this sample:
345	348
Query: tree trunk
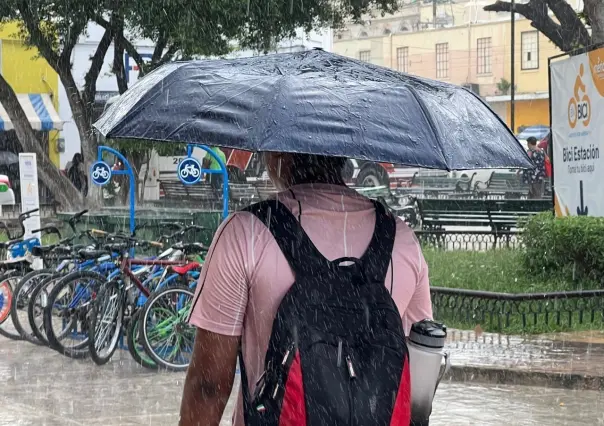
594	9
567	34
61	188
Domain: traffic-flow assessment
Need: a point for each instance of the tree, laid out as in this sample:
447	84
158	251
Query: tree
570	32
62	189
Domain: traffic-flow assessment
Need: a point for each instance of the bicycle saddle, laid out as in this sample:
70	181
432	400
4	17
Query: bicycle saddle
182	270
88	254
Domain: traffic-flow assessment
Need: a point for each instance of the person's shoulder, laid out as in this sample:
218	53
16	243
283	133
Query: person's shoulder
405	236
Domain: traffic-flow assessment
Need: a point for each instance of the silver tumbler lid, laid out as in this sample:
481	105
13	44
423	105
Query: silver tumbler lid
428	333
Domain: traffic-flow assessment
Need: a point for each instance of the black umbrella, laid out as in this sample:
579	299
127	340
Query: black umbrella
8	158
315	102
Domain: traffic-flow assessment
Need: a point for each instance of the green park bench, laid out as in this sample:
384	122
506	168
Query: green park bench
175	190
437	185
499	215
506	185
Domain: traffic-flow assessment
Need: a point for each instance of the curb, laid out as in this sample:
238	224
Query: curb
508	376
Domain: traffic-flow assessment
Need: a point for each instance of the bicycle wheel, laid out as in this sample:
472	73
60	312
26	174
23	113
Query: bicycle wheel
37	302
21	297
66	313
166	335
105	326
6	300
8	281
135	345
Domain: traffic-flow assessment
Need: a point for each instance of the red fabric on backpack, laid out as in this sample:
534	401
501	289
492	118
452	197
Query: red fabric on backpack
293	410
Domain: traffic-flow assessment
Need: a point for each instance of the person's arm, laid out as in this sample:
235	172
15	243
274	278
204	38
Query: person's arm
420	305
209	379
218	313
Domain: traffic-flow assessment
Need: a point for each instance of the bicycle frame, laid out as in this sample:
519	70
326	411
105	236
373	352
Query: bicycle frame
127	263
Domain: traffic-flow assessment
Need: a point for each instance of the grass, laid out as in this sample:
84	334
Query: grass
503	271
493	270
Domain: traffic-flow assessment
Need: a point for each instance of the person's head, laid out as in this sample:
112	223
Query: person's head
77	158
286	169
532	142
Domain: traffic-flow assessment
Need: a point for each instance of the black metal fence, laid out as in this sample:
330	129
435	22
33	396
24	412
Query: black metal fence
468	240
525	312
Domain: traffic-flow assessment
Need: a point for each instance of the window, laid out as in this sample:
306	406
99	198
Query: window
402	59
484	55
530	50
365	55
442	60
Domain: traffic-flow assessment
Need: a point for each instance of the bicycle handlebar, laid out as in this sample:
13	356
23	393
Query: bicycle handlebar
48	230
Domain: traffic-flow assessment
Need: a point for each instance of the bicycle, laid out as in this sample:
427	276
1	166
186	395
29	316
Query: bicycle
114	311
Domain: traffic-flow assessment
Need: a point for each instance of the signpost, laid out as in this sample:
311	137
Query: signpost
30	199
101	173
576	97
190	172
28	175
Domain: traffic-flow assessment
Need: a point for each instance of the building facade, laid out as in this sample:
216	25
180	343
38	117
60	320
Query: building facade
462	44
36	85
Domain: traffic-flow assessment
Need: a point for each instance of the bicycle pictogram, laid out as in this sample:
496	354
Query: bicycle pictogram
100	173
189	171
579	107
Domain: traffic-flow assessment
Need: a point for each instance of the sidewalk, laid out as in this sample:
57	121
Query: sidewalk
568	360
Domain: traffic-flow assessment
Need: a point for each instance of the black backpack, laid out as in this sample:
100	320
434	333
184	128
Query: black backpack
337	352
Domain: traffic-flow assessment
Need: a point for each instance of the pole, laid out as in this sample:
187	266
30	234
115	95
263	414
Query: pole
434	13
513	76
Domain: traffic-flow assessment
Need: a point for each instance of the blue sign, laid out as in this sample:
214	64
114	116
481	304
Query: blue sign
100	173
189	171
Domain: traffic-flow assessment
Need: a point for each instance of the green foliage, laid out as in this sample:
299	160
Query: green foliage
570	247
504	271
501	270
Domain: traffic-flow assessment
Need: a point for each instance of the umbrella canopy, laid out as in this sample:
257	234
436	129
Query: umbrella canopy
315	102
8	158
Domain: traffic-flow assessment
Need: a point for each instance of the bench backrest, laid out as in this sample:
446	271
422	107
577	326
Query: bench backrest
478	206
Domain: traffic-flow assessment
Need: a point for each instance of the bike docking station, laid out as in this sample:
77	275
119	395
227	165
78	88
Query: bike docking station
101	173
191	172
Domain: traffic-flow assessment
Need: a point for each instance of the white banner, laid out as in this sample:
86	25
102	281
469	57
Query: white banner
577	98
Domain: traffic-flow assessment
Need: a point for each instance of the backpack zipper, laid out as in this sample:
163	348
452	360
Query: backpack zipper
352	375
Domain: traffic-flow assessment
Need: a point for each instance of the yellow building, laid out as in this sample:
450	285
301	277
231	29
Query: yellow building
36	85
464	45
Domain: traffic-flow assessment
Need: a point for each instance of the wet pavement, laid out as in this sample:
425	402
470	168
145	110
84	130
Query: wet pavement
579	353
41	387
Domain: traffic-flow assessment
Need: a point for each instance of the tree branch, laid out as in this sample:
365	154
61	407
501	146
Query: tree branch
71	40
96	64
118	61
160	46
595	13
38	38
566	36
572	27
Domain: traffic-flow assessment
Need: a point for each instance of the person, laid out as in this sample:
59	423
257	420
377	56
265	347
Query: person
76	173
535	177
209	162
246	276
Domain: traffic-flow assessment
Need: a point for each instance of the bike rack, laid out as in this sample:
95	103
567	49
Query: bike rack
223	170
127	171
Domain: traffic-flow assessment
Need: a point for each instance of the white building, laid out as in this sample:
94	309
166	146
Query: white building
107	85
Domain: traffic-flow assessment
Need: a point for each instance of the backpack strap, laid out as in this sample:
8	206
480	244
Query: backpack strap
378	255
299	250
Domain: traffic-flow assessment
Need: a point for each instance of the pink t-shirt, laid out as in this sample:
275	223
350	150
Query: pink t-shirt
246	275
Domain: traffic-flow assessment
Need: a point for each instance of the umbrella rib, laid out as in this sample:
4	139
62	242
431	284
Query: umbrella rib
432	125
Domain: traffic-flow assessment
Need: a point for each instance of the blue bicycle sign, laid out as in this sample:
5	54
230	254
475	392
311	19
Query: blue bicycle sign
189	171
100	173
